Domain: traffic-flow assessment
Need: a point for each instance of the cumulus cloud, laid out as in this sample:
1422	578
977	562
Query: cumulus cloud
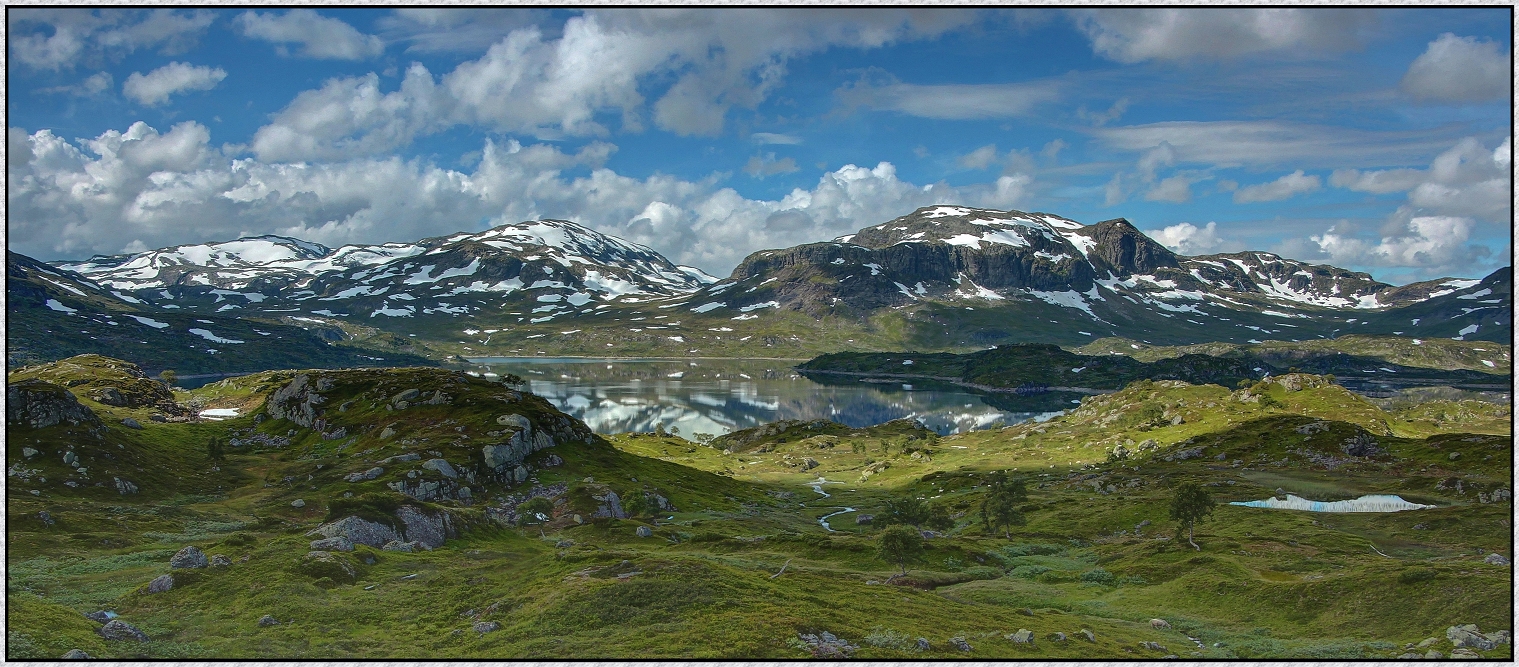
1427	242
103	194
67	37
1189	239
456	29
1136	35
980	158
317	36
155	87
1286	187
767	165
1460	69
556	84
1466	179
1176	189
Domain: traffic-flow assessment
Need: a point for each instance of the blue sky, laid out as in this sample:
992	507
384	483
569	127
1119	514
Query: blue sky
1373	139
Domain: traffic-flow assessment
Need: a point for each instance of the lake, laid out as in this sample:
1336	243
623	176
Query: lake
718	396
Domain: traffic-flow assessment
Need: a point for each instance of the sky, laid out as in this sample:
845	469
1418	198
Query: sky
1374	139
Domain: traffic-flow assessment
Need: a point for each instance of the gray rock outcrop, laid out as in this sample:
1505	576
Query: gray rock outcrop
296	401
1022	636
119	630
76	654
427	528
337	543
359	531
442	467
267	621
188	557
161	584
38	404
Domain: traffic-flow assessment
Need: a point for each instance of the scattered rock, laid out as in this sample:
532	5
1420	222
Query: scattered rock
358	531
1087	635
387	433
486	626
825	645
1428	642
76	654
188	557
99	617
406	547
564	544
267	621
1152	646
1410	656
1454	456
405	395
298	503
1468	636
1058	637
1495	559
119	630
131	423
401	458
643	531
221	560
1022	636
442	467
46	518
427	528
960	643
70	458
338	543
809	463
366	475
923	644
1312	428
1159	624
1362	445
1464	654
1432	655
28	452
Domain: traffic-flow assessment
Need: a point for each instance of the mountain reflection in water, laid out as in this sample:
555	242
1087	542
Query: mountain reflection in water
721	395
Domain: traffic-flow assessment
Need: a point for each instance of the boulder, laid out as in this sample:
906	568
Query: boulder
516	421
387	433
131	423
296	401
1464	654
267	621
1022	636
611	506
1087	635
338	543
1432	654
442	467
406	547
161	583
1495	559
124	487
365	475
1468	636
960	643
923	644
28	452
483	627
809	463
1058	637
298	503
427	528
221	560
38	404
99	617
643	531
188	557
119	630
359	531
76	654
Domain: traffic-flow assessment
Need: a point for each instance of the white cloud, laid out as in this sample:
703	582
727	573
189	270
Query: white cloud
155	87
1286	187
952	101
1136	35
767	165
67	37
552	85
1100	118
1460	69
980	158
456	29
1175	189
318	36
1464	180
91	86
1429	242
1189	239
773	138
68	201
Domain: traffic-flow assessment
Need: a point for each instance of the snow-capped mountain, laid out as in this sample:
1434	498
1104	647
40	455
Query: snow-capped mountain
552	263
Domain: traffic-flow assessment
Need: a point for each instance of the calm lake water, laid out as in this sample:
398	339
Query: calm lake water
721	395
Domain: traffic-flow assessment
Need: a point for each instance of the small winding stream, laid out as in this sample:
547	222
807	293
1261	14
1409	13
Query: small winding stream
817	485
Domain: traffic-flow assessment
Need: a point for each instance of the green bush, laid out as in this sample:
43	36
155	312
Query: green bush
1028	571
982	572
1098	576
880	637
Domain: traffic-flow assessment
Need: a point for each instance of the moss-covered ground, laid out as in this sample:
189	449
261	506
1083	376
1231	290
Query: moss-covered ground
1265	584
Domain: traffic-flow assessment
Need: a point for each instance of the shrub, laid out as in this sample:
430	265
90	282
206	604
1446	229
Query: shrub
880	637
1415	575
982	572
1028	571
1098	576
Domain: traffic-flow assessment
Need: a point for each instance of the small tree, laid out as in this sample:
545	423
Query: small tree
939	519
704	438
1000	507
530	511
674	430
901	545
910	511
659	429
637	504
1190	505
214	450
168	377
512	380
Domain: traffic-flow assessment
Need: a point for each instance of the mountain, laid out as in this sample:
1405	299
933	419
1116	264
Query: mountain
54	313
948	278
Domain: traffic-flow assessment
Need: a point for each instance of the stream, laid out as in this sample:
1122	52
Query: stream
823	520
